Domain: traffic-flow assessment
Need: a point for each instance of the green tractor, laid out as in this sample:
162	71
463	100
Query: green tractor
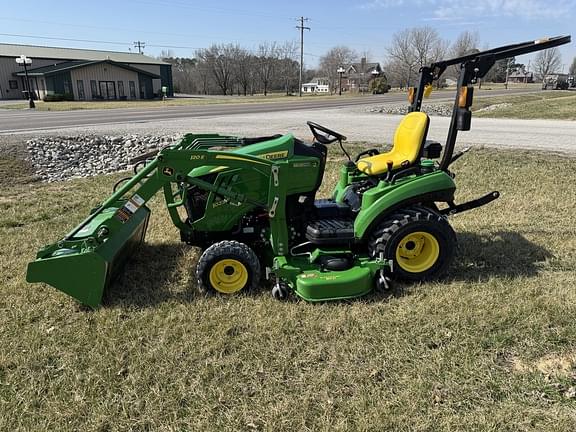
250	204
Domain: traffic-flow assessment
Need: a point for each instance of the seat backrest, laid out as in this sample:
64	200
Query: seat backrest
410	135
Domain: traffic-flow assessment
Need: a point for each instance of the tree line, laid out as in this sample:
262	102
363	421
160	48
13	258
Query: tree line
413	48
229	69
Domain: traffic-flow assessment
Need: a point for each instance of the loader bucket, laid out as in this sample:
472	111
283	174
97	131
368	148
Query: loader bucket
82	267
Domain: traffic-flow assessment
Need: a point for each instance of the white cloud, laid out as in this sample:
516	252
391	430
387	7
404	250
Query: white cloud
531	9
382	4
458	9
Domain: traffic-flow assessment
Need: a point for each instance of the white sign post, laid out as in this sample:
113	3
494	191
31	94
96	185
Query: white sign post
25	61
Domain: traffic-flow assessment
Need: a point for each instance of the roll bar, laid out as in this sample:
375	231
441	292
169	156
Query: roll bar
473	67
506	51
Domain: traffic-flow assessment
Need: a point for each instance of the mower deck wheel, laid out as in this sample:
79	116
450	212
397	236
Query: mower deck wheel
280	291
228	267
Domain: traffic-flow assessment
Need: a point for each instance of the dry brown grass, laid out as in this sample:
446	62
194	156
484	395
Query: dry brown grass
156	103
549	105
430	357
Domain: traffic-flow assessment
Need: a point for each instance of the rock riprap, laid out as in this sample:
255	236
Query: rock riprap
56	158
442	110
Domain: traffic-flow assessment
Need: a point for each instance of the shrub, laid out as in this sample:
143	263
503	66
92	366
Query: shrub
379	86
53	97
58	97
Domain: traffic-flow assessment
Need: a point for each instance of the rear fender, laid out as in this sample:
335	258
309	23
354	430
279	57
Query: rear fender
435	187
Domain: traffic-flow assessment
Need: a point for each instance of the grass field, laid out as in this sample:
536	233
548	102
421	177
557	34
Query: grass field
199	100
490	349
549	105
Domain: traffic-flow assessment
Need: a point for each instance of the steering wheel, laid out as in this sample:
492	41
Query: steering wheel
324	135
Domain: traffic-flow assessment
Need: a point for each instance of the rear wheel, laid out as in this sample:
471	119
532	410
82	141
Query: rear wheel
228	267
419	241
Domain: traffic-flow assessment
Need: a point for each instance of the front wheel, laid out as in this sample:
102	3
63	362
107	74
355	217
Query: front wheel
419	241
228	267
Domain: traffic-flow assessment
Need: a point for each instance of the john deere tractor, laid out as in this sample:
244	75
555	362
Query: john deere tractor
250	205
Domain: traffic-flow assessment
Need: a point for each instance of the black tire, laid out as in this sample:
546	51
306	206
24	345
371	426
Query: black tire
419	241
228	267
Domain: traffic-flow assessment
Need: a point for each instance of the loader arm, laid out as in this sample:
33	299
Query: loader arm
86	260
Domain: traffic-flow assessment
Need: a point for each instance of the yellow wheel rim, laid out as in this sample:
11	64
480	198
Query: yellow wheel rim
228	276
417	252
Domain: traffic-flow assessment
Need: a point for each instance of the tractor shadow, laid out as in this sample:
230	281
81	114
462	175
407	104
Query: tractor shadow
155	274
502	254
165	272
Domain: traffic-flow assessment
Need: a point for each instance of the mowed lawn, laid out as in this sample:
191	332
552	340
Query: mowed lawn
171	102
548	105
490	349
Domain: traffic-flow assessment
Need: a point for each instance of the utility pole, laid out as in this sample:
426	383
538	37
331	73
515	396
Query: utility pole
301	27
140	45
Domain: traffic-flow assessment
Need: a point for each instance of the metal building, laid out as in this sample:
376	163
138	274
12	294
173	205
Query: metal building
80	74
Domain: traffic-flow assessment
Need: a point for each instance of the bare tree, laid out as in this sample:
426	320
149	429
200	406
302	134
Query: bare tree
339	56
426	45
398	73
440	51
467	42
547	62
245	70
412	49
185	75
219	60
288	65
267	62
203	73
402	58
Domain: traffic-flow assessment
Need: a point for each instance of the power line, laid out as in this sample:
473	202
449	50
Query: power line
123	29
254	51
301	27
97	41
148	31
64	39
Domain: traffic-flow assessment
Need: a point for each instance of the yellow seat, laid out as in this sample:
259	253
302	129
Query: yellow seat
407	146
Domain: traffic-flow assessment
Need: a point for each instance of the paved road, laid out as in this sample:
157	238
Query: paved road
19	121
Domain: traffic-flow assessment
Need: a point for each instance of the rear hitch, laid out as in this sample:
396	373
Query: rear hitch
453	209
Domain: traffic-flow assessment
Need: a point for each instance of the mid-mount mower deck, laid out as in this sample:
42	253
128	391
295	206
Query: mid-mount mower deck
250	204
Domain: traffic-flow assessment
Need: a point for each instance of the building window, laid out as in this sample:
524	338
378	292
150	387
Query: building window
67	87
107	90
121	89
132	89
94	89
13	84
80	85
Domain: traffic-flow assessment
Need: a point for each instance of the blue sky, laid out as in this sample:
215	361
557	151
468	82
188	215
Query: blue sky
364	25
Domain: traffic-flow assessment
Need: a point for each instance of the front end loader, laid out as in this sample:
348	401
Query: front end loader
250	205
